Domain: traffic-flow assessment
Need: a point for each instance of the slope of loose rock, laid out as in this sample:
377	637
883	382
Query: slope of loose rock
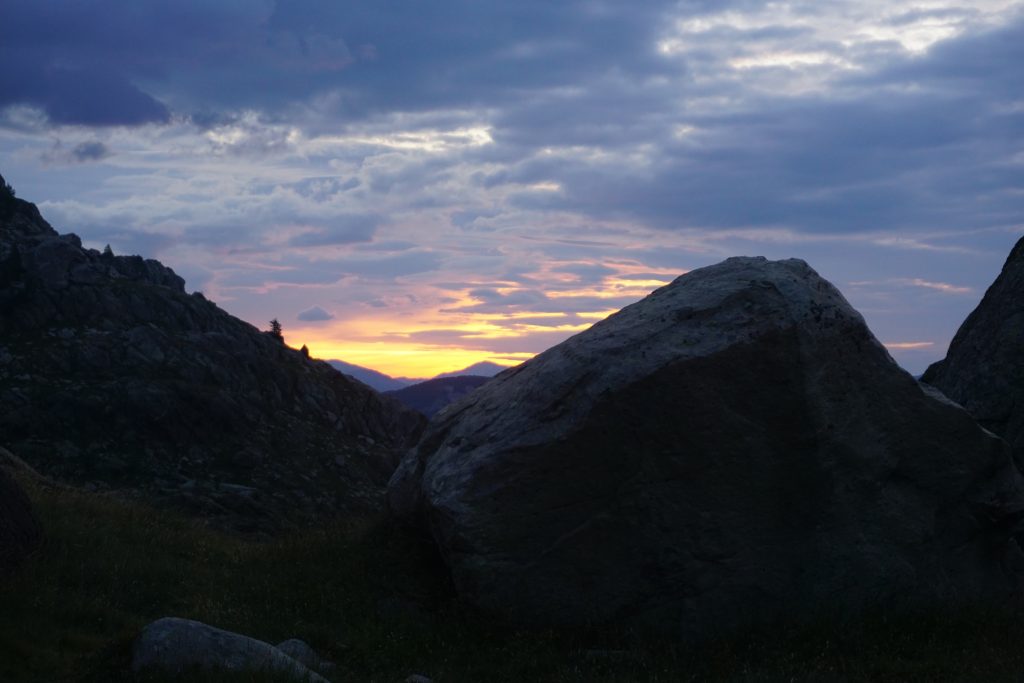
735	448
112	376
984	368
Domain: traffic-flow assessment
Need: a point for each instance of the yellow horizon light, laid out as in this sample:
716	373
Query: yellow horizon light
407	359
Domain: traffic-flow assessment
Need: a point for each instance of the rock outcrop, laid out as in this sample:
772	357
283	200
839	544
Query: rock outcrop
984	368
19	528
734	449
179	646
112	376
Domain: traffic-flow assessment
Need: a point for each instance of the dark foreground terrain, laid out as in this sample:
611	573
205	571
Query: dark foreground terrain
376	602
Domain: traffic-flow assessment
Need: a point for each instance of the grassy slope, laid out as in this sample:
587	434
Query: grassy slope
374	602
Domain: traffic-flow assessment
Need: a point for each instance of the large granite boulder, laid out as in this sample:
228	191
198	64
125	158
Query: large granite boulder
112	376
984	368
734	449
19	529
179	646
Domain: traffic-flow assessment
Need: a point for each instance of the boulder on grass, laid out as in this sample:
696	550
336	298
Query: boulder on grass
984	368
20	533
736	448
180	645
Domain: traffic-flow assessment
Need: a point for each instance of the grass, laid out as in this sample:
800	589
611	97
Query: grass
377	603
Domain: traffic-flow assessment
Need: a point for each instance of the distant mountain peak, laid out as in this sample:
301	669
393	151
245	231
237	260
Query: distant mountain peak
371	378
482	369
385	383
433	395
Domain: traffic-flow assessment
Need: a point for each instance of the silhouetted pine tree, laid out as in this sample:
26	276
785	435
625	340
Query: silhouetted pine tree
275	329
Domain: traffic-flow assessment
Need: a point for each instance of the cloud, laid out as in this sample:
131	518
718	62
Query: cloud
78	96
314	314
342	229
83	152
90	151
440	165
943	287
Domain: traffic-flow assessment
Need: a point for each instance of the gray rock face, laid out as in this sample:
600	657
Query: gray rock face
112	376
301	652
177	645
735	448
984	368
19	529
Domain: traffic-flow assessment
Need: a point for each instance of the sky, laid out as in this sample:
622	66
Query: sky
417	186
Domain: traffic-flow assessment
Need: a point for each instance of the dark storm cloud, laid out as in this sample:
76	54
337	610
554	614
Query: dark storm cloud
76	96
83	152
924	142
466	53
129	63
101	63
82	63
976	64
90	151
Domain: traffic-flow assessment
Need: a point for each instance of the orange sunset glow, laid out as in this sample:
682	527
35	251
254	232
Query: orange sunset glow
449	333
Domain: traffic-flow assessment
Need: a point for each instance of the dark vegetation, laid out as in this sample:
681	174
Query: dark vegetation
8	199
376	602
276	330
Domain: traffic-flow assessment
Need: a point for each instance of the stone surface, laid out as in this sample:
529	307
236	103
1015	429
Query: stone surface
19	529
113	377
984	368
300	651
736	448
178	645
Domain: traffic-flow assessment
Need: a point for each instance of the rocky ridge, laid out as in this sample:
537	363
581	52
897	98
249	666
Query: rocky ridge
984	368
112	376
736	448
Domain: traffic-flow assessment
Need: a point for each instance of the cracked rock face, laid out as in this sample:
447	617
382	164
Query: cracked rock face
984	368
734	449
113	377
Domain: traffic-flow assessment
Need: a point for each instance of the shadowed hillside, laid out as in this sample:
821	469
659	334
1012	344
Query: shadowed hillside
112	376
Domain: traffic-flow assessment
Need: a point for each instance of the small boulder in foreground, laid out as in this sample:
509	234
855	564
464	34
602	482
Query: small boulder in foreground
179	645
